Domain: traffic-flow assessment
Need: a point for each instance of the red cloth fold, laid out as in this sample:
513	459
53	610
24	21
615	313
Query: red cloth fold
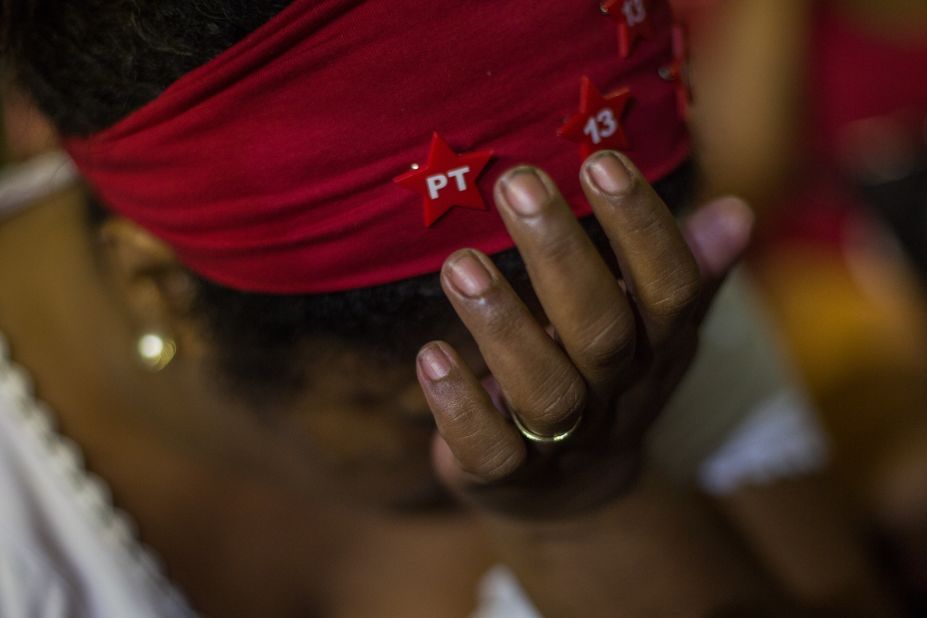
270	168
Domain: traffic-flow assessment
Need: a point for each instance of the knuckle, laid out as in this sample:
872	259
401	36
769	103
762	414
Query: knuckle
497	464
555	406
560	245
611	344
456	414
498	318
644	222
674	297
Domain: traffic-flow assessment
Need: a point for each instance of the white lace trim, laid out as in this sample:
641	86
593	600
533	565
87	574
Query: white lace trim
91	492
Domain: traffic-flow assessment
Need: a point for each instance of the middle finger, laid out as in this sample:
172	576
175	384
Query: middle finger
580	295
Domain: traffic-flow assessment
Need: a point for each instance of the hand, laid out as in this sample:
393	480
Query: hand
602	369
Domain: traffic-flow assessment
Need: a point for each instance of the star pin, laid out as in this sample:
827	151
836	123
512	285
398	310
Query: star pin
597	124
447	180
679	71
633	17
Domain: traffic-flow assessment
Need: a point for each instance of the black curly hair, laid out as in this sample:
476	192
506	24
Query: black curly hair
89	63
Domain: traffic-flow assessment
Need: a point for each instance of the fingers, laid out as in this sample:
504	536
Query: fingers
540	383
485	445
546	386
590	313
656	263
718	234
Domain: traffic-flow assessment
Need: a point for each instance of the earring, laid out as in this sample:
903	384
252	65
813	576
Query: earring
155	350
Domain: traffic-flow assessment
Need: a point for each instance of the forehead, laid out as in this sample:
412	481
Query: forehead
387	327
380	366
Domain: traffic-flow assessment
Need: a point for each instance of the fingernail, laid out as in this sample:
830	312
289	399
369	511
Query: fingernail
434	362
525	193
469	276
720	232
609	174
739	219
732	222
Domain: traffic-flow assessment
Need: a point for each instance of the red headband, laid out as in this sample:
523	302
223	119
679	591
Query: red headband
271	168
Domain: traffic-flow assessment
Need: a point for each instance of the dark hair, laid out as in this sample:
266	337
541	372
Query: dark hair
89	63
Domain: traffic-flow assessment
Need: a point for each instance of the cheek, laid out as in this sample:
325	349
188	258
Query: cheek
411	403
367	454
376	419
351	436
360	408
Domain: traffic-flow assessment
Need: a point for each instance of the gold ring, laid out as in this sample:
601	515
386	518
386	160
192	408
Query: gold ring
536	437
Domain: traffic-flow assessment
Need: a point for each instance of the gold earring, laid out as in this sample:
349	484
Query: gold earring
155	350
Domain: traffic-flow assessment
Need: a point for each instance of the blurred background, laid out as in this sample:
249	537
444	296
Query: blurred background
816	112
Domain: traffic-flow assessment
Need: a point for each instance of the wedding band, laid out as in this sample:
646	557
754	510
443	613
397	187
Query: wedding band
538	438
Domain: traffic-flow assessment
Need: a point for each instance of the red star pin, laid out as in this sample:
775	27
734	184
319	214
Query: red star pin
678	71
633	17
597	124
448	180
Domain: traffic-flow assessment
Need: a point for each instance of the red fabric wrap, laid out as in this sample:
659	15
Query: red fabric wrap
271	167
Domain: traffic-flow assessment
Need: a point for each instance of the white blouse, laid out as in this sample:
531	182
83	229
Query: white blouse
64	549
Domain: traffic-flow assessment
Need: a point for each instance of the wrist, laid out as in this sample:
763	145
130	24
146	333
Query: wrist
582	500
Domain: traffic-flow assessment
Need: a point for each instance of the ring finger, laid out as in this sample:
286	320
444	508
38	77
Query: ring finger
540	384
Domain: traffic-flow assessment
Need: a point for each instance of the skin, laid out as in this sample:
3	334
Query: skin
201	474
344	471
795	528
603	354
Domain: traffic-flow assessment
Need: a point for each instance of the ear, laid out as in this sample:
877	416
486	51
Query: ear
154	286
27	132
